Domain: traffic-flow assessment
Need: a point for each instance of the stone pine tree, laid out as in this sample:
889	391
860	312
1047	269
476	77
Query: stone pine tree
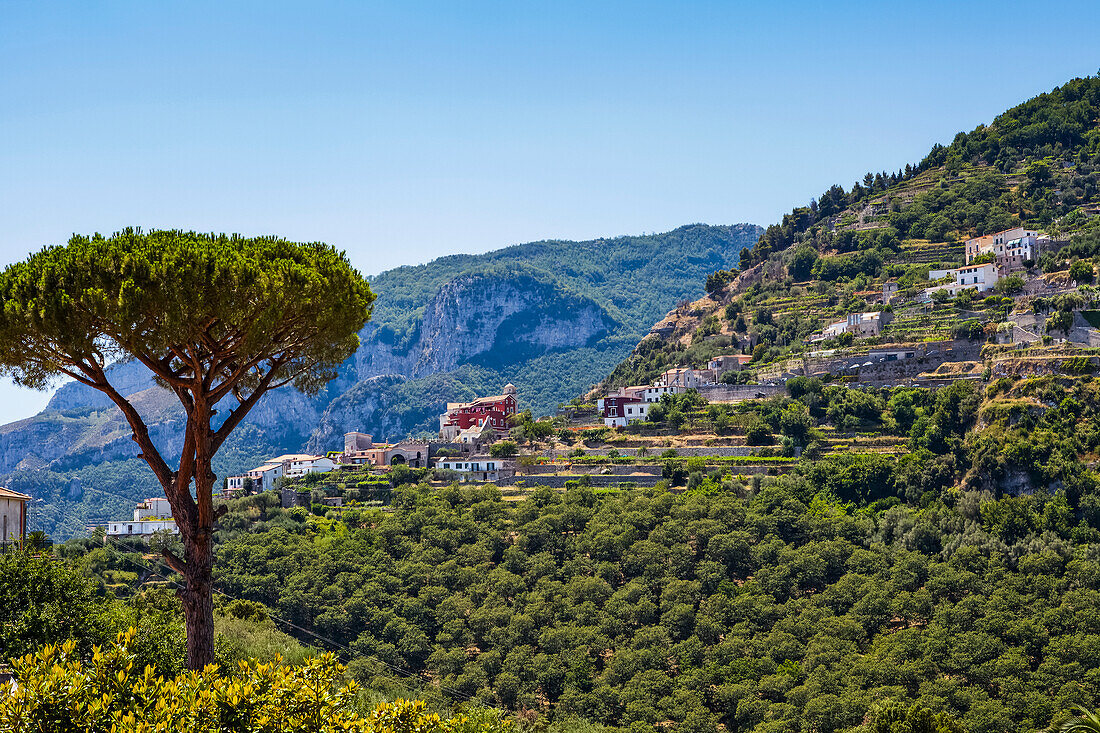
219	321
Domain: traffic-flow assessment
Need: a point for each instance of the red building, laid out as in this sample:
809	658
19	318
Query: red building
464	415
619	410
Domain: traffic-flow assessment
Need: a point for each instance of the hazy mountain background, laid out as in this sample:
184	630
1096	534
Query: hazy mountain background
552	317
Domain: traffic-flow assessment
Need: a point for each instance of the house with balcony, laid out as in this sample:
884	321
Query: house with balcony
1010	248
290	465
478	468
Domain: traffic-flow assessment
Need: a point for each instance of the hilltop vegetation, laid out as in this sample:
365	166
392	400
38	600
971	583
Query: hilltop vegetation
631	277
1034	165
1037	165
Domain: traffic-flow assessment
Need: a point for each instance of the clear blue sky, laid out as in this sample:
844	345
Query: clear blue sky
404	131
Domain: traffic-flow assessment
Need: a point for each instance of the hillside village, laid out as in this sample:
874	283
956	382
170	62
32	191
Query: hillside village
985	317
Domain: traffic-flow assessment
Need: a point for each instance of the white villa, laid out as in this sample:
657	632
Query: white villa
478	468
980	277
857	324
141	527
150	516
156	507
1009	248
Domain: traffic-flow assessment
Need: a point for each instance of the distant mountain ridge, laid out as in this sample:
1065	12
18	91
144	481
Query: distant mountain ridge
551	317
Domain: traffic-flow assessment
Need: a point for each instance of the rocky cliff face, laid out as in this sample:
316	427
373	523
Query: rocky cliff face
477	315
475	319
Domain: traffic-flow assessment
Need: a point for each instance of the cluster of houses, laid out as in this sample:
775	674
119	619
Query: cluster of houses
466	430
464	422
632	404
1010	249
989	258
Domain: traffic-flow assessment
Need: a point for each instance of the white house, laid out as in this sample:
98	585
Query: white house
263	478
620	410
13	517
156	507
857	324
291	465
979	277
655	393
685	378
478	468
834	329
299	464
1009	248
141	527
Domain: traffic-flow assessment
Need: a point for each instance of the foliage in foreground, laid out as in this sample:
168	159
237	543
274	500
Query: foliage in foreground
59	692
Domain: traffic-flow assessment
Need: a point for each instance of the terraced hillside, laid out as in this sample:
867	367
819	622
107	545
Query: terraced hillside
1036	166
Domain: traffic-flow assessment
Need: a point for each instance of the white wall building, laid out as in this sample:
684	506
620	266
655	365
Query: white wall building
299	464
618	410
141	527
13	517
858	324
478	468
156	507
1009	248
979	277
291	465
654	394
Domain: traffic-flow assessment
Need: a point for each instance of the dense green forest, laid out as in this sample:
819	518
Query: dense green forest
960	575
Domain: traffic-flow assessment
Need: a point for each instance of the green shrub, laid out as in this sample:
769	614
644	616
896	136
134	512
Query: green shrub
59	692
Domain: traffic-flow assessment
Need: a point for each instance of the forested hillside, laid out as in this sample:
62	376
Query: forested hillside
930	547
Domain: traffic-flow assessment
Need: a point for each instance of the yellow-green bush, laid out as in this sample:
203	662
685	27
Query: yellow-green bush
58	692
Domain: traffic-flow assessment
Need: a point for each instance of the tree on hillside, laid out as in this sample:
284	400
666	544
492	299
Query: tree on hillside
219	320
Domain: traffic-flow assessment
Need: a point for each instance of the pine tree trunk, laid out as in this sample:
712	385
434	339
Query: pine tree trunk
198	602
198	598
